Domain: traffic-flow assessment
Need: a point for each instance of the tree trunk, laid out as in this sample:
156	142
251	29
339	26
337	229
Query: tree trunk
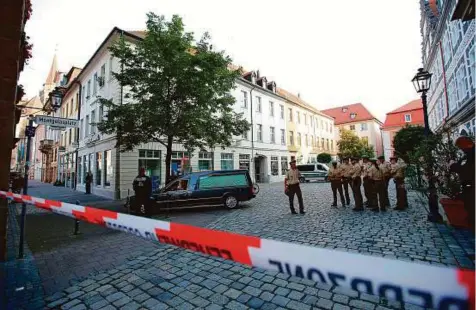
418	171
168	158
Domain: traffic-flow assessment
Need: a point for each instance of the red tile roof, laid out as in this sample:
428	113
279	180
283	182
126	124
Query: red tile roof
396	118
342	115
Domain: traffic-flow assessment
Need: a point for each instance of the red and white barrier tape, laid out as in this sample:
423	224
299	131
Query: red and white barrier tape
424	285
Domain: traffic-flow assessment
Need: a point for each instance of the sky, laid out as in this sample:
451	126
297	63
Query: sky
332	53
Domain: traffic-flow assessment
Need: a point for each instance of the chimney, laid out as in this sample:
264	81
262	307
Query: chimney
299	95
257	75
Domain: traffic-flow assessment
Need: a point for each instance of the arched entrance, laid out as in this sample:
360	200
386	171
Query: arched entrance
261	173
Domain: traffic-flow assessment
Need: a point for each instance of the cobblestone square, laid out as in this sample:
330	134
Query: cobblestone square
169	277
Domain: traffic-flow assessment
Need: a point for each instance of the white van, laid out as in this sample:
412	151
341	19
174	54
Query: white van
313	172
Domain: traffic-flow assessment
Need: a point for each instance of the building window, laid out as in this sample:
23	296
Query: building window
332	145
271	108
330	125
95	83
205	161
281	111
322	143
291	138
101	113
244	161
70	136
452	96
299	142
244	99
363	127
245	135
111	62
328	145
91	163
471	64
89	90
108	175
103	75
290	114
93	121
274	165
258	104
344	110
86	166
312	141
306	140
86	126
99	164
81	128
226	161
284	165
259	132
353	115
298	117
272	138
305	119
150	161
283	137
461	80
352	127
408	118
84	94
80	170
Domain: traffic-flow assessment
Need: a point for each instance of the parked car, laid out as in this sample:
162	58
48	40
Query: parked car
207	188
313	172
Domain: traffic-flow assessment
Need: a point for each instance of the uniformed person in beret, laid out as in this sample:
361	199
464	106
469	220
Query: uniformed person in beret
356	176
345	167
377	187
385	167
335	177
366	181
397	170
291	187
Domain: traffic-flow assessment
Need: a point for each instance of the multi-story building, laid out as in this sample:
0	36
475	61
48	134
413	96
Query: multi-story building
262	150
309	132
357	118
448	52
410	114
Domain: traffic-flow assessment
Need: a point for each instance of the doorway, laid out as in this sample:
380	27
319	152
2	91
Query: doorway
260	169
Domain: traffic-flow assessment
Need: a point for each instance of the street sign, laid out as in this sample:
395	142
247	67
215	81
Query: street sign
30	131
56	121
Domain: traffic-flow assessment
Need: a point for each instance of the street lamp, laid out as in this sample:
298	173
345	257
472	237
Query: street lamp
56	97
422	82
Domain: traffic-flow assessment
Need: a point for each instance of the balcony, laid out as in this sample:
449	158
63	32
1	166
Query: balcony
46	146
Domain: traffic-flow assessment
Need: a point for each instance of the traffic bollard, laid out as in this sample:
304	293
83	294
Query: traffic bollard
76	223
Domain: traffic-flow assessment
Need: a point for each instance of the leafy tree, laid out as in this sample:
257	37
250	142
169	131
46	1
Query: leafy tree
407	140
352	146
178	91
324	158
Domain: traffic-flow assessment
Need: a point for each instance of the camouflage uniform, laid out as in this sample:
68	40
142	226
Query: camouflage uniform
346	178
335	177
398	174
356	172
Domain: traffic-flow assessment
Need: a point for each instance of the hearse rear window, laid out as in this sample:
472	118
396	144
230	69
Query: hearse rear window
214	181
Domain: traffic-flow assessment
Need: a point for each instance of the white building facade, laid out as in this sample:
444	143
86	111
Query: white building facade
449	53
262	150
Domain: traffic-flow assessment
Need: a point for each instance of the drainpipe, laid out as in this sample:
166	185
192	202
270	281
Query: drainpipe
77	132
252	164
117	175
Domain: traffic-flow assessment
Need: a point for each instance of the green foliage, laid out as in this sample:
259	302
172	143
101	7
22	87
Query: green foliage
352	146
176	90
407	139
324	158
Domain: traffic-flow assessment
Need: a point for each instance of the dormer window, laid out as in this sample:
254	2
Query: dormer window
353	115
271	86
344	110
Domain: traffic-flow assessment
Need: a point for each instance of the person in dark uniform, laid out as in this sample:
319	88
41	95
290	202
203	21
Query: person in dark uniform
377	178
143	190
465	170
88	180
366	180
398	173
345	167
291	187
356	175
384	166
335	176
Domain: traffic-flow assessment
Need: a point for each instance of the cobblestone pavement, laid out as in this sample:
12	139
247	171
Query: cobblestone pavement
168	277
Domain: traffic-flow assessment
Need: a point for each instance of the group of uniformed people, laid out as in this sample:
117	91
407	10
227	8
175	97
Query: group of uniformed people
374	175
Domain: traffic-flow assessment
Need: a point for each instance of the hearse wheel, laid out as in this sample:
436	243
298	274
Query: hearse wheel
230	202
302	180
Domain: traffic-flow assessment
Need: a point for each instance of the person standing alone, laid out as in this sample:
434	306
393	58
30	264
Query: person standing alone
143	190
335	176
291	187
88	180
